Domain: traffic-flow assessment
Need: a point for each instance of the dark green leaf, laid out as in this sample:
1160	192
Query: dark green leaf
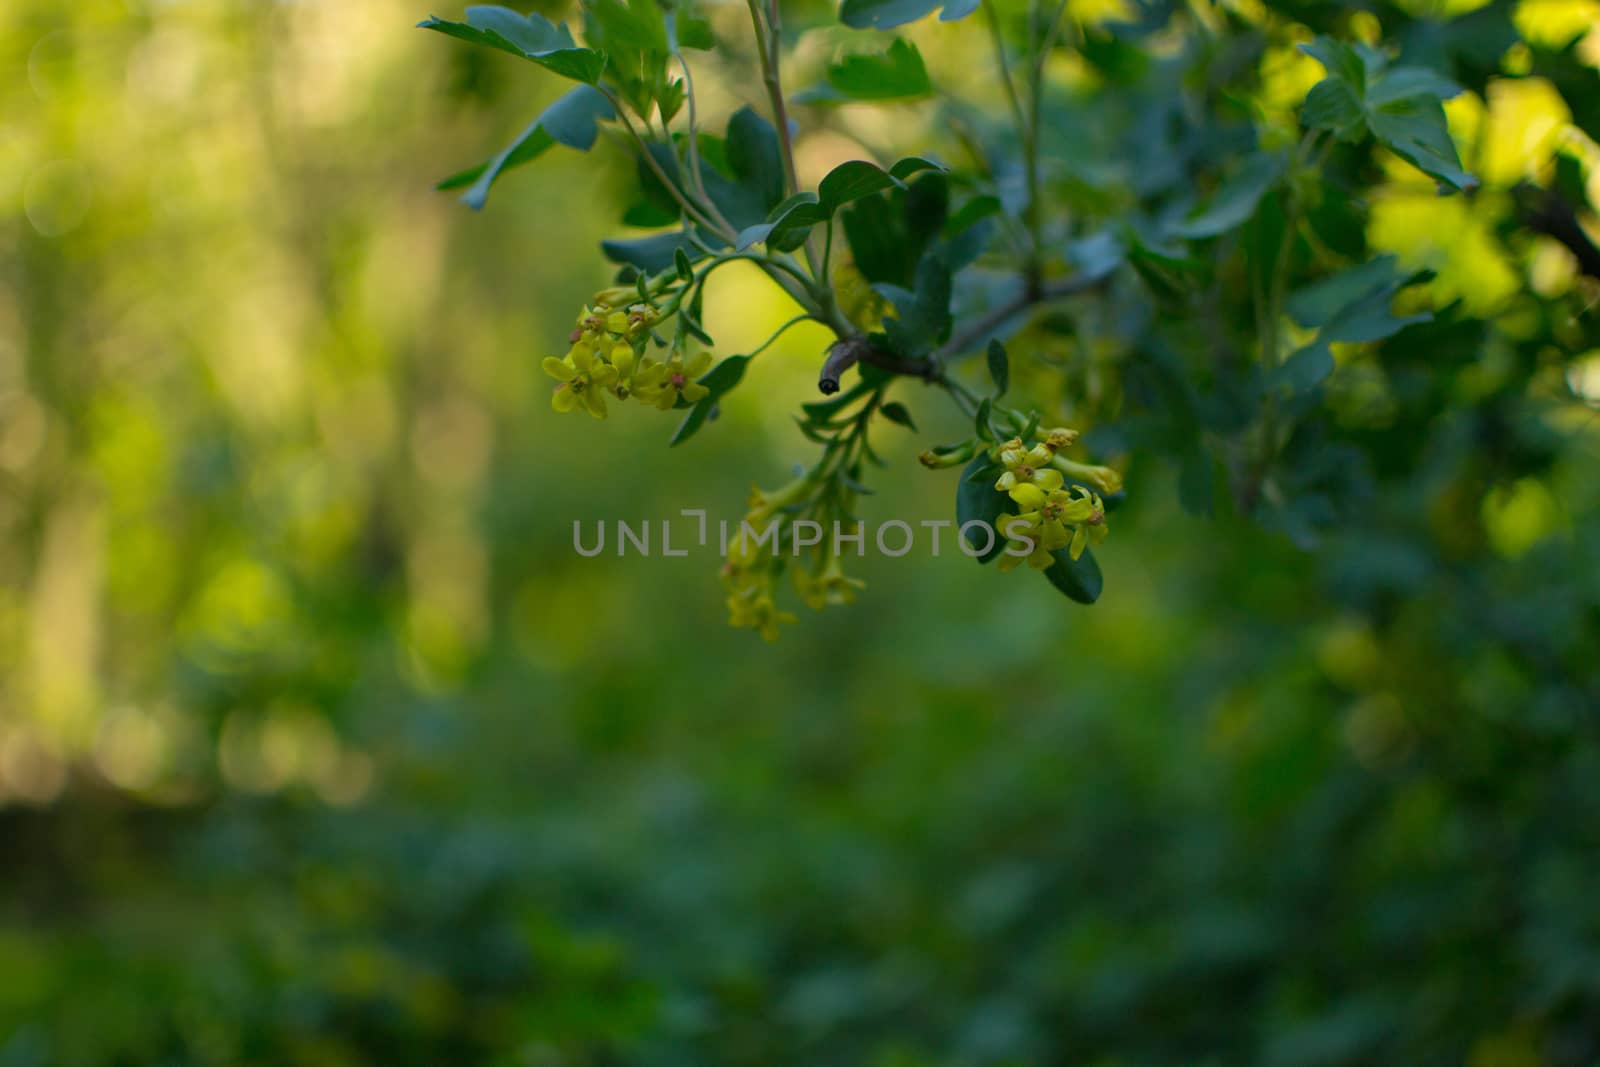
1079	579
571	121
895	74
1306	369
1097	255
756	158
1416	131
852	181
691	31
980	419
896	412
634	26
999	367
718	380
652	254
1401	108
977	500
532	37
1318	303
1236	201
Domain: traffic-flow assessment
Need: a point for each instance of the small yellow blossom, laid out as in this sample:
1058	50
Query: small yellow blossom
663	384
1102	478
583	379
591	327
936	459
1030	541
763	503
622	358
1057	439
831	586
1052	513
754	608
1092	527
1026	466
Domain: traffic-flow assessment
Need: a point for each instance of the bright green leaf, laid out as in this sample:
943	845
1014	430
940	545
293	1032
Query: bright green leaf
571	121
532	37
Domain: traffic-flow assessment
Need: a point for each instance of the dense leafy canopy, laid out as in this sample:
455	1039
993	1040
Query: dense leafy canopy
320	745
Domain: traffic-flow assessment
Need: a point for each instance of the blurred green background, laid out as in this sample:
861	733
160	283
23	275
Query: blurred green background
319	745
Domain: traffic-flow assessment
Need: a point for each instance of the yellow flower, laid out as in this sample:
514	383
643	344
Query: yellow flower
1029	537
622	359
764	502
832	586
1102	478
615	296
1026	466
583	379
591	325
1052	513
1057	439
755	609
663	384
640	318
937	458
1092	527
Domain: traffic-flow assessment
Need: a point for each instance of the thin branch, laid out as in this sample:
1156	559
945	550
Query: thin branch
689	207
981	329
993	20
694	146
850	350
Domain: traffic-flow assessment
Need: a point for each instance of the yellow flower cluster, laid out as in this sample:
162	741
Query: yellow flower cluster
607	356
1050	517
753	563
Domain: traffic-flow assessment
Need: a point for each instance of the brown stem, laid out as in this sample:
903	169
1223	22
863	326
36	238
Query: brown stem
848	351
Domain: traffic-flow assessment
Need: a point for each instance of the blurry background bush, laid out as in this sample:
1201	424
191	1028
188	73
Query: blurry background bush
319	745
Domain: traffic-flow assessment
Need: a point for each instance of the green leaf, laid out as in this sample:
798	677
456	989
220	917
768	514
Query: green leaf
680	260
999	367
691	31
1236	201
1415	130
1336	103
1317	304
1305	369
532	37
1353	305
923	315
1401	108
756	158
980	419
978	500
746	180
1097	255
1369	319
787	225
652	254
852	181
896	74
896	412
718	380
572	121
634	26
1079	579
887	14
972	212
